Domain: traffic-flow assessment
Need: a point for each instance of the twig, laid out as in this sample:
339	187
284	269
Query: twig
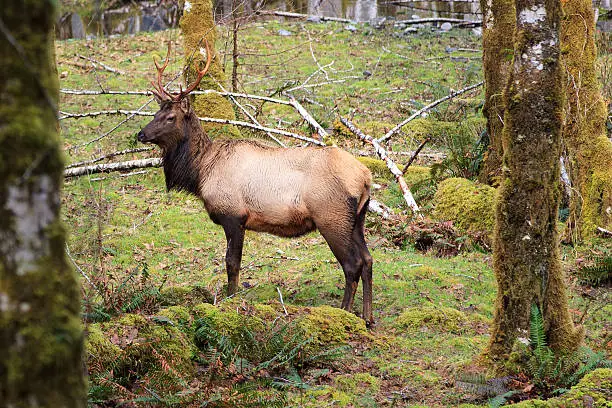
390	165
106	67
604	232
335	81
427	108
78	268
415	154
108	156
280	295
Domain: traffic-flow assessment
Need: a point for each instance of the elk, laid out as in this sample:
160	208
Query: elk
246	185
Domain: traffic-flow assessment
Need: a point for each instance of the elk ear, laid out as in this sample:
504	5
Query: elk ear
185	105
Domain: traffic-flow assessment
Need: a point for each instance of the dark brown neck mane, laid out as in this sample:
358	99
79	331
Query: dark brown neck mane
182	161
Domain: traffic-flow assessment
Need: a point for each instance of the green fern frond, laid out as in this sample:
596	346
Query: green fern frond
537	335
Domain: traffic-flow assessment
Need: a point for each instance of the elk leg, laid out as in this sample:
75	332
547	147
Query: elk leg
366	265
234	234
342	247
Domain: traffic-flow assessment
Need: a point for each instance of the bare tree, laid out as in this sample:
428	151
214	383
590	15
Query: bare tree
526	245
41	337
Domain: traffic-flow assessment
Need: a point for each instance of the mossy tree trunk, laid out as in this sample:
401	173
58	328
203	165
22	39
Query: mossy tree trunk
584	135
497	45
197	24
526	245
40	329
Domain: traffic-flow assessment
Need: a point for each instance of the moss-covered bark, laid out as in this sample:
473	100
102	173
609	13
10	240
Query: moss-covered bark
584	134
526	245
40	330
197	24
497	45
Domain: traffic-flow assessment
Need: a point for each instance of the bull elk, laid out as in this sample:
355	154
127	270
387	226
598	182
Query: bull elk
246	185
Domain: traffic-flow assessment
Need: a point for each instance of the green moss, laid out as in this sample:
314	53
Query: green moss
158	353
225	319
378	168
100	351
357	383
416	175
330	325
185	295
431	319
468	204
330	395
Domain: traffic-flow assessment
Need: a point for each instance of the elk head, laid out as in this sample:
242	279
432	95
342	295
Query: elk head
168	126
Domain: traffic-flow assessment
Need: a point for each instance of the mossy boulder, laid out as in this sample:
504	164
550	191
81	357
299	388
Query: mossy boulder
226	320
592	391
143	349
100	351
330	325
432	319
470	205
185	295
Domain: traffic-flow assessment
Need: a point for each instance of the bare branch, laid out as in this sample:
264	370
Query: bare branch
302	16
308	117
415	154
427	108
105	168
102	65
108	156
390	164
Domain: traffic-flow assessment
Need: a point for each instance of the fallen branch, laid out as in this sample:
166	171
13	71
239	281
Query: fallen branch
427	108
604	232
390	164
457	21
415	154
303	16
102	65
105	168
108	156
67	115
208	91
308	118
379	208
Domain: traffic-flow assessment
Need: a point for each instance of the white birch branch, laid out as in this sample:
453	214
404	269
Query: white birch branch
104	66
427	108
308	117
303	16
457	21
105	168
397	173
67	115
108	156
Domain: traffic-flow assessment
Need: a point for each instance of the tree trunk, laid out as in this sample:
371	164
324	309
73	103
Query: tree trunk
497	44
584	135
41	337
526	245
197	24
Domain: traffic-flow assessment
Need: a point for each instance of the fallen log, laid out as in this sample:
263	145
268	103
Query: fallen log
119	166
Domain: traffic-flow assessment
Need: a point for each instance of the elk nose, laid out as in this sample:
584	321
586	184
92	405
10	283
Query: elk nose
141	136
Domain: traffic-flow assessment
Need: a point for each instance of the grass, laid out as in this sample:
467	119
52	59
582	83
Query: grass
118	223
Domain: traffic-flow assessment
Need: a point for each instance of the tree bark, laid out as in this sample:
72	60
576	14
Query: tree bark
588	149
41	338
497	45
197	24
526	245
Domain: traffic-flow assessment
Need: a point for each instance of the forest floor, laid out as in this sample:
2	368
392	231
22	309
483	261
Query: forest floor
157	261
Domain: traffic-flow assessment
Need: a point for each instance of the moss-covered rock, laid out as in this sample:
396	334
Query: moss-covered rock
470	205
330	325
378	167
431	318
100	351
593	391
185	295
145	349
226	320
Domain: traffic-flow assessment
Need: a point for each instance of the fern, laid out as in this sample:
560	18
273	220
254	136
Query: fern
599	273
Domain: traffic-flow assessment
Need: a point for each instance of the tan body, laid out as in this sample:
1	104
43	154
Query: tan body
287	192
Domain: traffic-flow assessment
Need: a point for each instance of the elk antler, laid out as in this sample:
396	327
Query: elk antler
159	89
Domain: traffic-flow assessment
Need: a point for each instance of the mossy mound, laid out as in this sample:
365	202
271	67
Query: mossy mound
330	325
378	168
470	205
185	295
440	132
432	319
592	391
133	347
226	320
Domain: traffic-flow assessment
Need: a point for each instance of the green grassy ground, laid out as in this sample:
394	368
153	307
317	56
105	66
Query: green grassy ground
432	314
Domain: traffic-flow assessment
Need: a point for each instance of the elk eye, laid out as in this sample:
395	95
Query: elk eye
171	118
